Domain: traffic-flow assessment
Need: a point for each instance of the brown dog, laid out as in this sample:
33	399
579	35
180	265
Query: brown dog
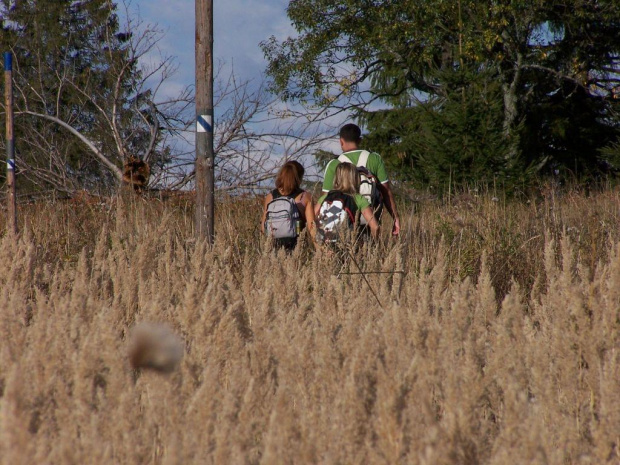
136	173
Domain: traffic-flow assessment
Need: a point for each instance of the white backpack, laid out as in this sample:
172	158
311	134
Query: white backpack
283	218
368	184
336	215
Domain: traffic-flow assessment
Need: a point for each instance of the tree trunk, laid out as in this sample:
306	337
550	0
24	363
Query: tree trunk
511	111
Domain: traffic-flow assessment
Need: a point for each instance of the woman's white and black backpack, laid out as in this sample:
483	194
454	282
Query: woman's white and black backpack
283	218
336	216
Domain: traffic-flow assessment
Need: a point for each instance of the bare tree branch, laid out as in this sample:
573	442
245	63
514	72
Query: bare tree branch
93	148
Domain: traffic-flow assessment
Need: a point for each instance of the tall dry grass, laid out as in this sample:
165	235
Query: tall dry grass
499	343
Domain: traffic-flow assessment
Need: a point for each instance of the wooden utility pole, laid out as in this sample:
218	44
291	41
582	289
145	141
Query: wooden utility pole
204	167
10	145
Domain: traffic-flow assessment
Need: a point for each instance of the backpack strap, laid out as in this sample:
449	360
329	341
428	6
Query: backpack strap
363	159
344	159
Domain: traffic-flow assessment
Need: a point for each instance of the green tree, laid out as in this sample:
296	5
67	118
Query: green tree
500	89
454	140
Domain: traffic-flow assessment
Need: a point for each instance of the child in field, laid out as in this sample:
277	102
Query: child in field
288	208
338	209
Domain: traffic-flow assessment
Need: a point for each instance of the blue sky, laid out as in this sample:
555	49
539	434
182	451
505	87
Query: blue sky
239	26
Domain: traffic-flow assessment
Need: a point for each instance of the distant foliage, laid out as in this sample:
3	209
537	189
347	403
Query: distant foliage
447	143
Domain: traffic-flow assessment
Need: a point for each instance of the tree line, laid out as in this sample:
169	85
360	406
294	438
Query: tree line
450	93
463	92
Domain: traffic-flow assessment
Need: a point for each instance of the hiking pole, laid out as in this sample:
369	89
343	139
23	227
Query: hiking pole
374	272
365	279
371	272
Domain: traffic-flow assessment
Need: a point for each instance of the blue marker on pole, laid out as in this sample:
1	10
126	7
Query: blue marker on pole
8	61
204	123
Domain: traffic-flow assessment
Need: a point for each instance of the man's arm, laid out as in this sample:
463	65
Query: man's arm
390	205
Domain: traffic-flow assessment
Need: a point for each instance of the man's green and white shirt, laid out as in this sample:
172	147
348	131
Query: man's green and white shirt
375	166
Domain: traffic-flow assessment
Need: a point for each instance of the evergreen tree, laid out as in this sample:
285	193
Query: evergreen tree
454	140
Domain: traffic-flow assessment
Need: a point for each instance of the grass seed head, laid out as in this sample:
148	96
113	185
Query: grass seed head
154	346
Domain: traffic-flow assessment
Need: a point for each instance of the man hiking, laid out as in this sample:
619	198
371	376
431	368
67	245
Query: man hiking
350	137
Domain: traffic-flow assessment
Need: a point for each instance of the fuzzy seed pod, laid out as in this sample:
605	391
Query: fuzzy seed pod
154	346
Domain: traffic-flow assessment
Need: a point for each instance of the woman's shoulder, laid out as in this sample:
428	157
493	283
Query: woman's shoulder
303	196
361	201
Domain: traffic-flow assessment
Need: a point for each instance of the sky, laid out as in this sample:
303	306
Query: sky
238	28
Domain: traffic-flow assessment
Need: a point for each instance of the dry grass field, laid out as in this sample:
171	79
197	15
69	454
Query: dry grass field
499	343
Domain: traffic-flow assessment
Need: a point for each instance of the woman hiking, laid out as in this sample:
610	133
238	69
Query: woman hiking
288	208
337	209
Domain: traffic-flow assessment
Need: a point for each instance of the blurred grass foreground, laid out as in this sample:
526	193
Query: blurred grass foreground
498	341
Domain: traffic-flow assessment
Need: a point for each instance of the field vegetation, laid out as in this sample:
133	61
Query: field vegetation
493	336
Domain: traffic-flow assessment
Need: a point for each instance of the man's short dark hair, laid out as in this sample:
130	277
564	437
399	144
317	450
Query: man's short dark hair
351	133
